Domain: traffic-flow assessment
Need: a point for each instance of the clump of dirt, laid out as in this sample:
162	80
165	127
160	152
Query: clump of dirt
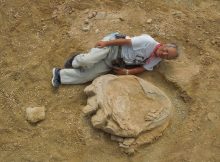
36	36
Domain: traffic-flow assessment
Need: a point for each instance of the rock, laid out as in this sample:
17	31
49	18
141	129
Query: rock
128	141
129	151
87	110
94	13
73	31
86	21
149	21
97	31
90	16
35	114
177	14
129	110
213	42
101	15
121	19
91	106
213	117
116	138
112	16
86	28
175	72
123	146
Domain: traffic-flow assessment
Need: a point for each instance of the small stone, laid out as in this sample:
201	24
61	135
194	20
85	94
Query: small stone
97	31
212	116
149	21
90	16
178	14
35	114
123	146
121	19
101	15
213	42
86	28
128	141
86	21
94	13
116	138
129	151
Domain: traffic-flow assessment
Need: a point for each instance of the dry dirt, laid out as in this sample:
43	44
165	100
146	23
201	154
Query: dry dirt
37	35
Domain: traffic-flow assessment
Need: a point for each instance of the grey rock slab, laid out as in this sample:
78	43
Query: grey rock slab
128	107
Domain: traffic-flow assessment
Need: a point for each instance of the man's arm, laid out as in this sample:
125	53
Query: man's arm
116	42
133	71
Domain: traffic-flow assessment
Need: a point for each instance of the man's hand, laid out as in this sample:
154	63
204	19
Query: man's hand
123	71
120	71
101	44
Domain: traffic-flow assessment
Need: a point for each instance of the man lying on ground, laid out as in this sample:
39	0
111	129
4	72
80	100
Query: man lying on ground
122	54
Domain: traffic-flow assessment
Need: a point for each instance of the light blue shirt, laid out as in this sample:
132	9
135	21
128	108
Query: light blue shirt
141	49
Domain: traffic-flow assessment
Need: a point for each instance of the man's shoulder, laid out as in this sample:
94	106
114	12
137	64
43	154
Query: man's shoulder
145	36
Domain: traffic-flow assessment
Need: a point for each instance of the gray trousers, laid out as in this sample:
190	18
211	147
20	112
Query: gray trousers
88	66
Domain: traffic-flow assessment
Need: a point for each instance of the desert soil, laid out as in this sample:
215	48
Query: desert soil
37	35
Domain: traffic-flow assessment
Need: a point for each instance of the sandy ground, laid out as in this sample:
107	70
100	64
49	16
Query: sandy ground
36	36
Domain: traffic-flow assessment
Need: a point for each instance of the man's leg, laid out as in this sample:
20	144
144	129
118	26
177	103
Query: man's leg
80	75
68	62
89	59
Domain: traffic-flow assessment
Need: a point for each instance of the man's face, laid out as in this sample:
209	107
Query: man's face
166	52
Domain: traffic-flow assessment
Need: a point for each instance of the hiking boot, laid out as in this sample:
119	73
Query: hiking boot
68	63
56	77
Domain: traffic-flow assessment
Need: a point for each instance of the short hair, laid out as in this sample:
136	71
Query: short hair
174	45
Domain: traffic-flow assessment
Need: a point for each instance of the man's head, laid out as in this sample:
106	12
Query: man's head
167	51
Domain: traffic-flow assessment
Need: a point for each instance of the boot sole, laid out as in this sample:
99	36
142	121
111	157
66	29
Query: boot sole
54	72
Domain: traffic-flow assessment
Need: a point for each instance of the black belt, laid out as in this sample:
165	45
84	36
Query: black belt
119	62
